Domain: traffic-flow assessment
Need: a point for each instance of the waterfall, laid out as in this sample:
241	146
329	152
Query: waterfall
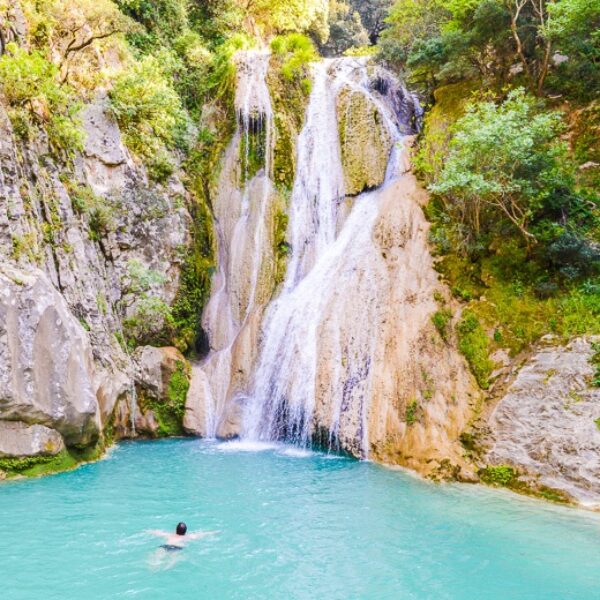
336	352
241	232
327	310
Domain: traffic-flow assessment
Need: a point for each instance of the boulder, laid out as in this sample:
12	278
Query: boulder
46	364
20	439
364	140
546	425
162	381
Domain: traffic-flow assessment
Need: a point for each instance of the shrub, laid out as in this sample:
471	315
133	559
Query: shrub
30	84
149	112
296	51
441	319
503	475
411	415
505	162
574	256
474	344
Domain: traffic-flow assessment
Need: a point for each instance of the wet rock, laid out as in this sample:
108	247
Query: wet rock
20	439
545	425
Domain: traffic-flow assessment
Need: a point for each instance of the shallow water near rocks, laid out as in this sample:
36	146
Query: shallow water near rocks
293	524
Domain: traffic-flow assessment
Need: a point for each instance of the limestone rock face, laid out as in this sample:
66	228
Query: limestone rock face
398	389
364	140
106	159
46	363
545	425
68	281
19	439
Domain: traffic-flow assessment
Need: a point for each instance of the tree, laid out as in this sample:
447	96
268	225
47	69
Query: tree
69	28
574	28
505	162
264	18
530	27
373	14
345	29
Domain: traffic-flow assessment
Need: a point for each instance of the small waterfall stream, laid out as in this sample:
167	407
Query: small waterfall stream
240	242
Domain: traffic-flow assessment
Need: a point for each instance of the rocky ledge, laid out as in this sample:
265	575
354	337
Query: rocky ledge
544	433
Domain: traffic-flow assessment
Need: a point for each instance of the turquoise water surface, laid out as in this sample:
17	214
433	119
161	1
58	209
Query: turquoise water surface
292	525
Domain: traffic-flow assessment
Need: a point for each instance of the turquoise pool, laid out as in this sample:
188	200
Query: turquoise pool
292	525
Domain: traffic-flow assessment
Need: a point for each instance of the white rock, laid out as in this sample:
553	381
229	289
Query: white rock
46	365
19	439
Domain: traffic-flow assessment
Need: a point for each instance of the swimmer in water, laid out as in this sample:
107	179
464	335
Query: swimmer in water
176	541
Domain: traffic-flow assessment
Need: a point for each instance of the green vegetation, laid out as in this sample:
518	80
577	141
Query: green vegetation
280	245
412	409
37	99
34	466
595	361
295	52
194	285
150	314
503	475
515	210
507	476
289	84
441	320
473	343
169	412
149	112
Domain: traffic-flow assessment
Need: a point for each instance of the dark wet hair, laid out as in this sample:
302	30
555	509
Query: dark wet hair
181	528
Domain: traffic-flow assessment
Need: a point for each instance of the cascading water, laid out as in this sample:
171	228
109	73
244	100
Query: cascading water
241	233
346	355
326	274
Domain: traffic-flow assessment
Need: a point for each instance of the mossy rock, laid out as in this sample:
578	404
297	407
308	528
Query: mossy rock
35	466
449	106
365	141
168	404
290	100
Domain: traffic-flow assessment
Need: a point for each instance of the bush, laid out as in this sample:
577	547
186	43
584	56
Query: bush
505	163
503	475
296	51
573	256
149	112
441	320
474	344
30	84
412	409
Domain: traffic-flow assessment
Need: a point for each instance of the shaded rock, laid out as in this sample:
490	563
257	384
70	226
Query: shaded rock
20	439
162	382
46	364
545	425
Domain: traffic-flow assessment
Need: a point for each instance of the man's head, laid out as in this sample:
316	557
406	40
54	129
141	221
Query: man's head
181	529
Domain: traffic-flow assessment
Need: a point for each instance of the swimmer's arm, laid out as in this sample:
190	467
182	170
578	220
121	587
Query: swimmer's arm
200	534
158	533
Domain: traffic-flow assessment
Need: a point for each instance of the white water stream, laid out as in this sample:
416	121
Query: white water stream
240	238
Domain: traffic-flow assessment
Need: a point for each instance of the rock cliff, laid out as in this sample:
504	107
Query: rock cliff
88	248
